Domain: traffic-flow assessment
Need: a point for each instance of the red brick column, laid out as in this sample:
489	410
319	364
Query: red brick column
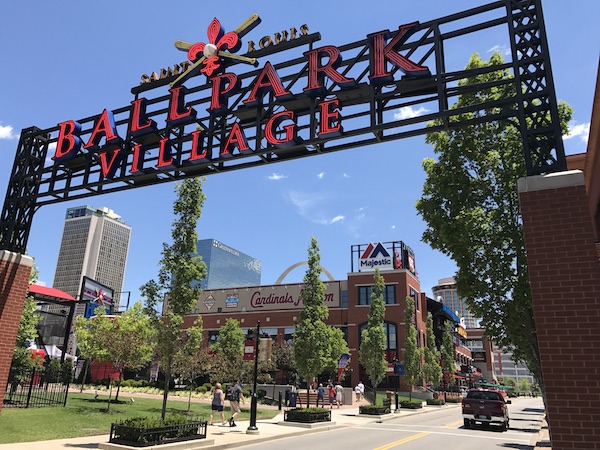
14	284
565	283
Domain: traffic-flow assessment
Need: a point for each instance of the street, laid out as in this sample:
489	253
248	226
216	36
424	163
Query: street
441	429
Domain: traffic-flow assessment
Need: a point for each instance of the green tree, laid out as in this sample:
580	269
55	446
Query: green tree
22	359
317	346
373	342
413	355
524	385
447	352
180	271
471	207
432	370
283	360
124	341
229	350
192	359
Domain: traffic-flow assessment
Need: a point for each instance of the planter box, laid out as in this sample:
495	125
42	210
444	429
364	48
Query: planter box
146	437
301	415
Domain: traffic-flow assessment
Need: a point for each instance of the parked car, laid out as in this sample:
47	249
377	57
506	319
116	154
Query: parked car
485	406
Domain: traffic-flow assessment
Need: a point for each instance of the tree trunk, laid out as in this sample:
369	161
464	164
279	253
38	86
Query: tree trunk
119	385
166	390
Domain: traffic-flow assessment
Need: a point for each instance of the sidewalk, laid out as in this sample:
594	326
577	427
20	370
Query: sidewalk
224	437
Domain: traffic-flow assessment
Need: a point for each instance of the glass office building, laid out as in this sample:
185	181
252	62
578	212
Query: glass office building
227	267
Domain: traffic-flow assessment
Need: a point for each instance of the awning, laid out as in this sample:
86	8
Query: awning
48	293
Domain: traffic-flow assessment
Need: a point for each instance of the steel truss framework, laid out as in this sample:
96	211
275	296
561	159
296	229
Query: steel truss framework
368	114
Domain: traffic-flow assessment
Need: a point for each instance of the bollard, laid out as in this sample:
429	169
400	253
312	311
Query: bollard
396	395
280	400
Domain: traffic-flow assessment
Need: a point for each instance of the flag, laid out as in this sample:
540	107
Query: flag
342	365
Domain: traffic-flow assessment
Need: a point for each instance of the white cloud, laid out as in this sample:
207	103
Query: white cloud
345	175
321	175
393	227
407	112
309	207
276	176
500	48
582	130
7	132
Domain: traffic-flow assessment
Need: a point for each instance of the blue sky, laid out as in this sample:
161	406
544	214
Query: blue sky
71	59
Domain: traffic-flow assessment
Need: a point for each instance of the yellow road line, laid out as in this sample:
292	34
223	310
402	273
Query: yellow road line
453	424
401	441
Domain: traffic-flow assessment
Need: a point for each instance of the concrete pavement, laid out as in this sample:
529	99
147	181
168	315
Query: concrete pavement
224	437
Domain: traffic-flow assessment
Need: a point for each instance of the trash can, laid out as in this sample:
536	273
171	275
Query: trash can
292	399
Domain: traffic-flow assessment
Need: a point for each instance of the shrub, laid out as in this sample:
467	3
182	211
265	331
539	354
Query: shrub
435	401
307	415
247	393
201	389
208	387
374	410
453	399
261	393
411	405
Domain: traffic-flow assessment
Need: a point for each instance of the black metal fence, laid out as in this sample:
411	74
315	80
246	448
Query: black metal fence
370	395
37	388
146	437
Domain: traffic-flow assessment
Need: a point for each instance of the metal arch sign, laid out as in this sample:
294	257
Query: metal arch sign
216	115
279	130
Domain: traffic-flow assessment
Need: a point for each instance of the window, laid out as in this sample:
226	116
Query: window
415	296
389	294
391	335
344	299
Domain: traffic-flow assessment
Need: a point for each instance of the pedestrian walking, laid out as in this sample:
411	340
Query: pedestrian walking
357	392
331	391
321	395
339	390
218	403
362	389
235	396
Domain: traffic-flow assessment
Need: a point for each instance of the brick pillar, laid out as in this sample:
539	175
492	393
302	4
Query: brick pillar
14	285
565	282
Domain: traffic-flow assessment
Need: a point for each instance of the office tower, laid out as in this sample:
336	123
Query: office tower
94	244
227	267
445	292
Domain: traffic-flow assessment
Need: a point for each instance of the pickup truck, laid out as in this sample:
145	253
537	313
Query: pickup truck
485	406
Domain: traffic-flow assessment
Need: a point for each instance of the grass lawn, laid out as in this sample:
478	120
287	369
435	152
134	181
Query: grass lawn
382	394
84	416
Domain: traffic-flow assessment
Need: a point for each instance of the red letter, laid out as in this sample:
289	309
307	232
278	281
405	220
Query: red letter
138	151
139	123
103	128
316	72
68	143
236	138
330	114
218	99
381	53
165	160
178	115
291	130
109	167
267	80
198	153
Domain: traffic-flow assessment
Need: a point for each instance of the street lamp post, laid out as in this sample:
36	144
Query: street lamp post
252	429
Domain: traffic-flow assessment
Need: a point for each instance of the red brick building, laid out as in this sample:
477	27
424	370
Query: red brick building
278	307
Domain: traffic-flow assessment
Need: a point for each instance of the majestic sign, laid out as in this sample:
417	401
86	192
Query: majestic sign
209	116
261	298
383	255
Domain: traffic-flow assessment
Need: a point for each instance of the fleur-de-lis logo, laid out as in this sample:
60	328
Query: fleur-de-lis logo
218	41
207	58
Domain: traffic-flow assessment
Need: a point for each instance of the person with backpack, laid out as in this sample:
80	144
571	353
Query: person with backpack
234	396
